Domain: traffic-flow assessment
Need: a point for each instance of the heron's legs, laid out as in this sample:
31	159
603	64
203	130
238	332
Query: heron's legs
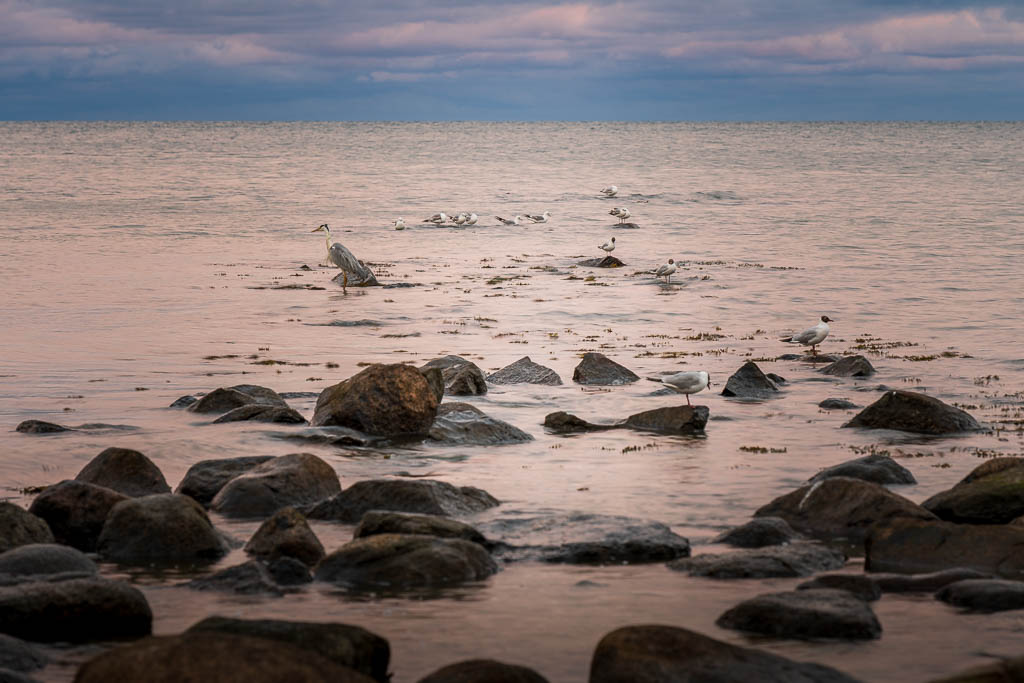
344	281
688	399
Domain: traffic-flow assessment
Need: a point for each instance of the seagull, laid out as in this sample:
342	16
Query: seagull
515	221
608	246
473	218
400	224
812	336
666	270
688	382
610	191
460	219
543	218
437	218
622	213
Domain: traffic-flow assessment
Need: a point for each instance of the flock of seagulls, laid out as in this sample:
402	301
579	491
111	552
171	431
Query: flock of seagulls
620	212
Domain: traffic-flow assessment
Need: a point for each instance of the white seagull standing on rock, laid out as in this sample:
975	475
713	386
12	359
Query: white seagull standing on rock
688	382
608	246
543	218
666	270
515	221
622	213
812	336
610	191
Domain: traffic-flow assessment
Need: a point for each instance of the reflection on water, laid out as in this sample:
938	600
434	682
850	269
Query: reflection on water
147	261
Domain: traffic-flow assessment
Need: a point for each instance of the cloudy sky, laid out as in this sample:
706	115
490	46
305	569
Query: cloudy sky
510	60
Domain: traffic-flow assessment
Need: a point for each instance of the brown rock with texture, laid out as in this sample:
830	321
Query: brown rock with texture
382	400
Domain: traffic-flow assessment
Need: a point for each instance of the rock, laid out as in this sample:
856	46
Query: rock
435	380
205	478
984	595
287	571
382	400
821	613
914	546
778	379
76	611
18	527
125	471
993	493
670	420
286	534
286	481
849	366
483	671
183	402
664	654
249	578
332	436
606	262
459	376
880	469
228	398
525	371
17	655
924	583
599	369
461	424
75	511
349	646
398	561
758	533
751	383
912	412
837	404
8	676
807	357
381	522
841	507
864	587
165	528
261	413
211	656
424	496
40	427
1009	670
566	423
41	559
364	279
796	559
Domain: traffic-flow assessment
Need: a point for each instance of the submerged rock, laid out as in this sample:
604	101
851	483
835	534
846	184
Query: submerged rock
993	493
864	587
43	559
261	413
924	583
606	262
483	671
17	655
599	369
382	400
286	481
75	511
249	578
125	471
984	595
424	496
751	383
18	527
795	559
687	420
459	376
161	529
909	411
820	613
914	546
382	522
880	469
223	399
1003	671
207	477
850	366
525	371
461	424
286	534
758	533
183	402
566	423
837	404
40	427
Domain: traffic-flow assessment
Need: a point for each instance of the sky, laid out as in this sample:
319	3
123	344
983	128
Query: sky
399	60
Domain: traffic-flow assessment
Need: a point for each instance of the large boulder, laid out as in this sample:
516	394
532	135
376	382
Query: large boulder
286	481
796	559
286	534
459	376
758	533
525	371
597	368
382	400
228	398
841	507
909	411
207	477
750	382
76	611
18	527
261	413
850	366
880	469
914	546
663	654
462	424
166	528
670	420
984	595
993	493
424	496
75	511
400	561
807	614
382	522
212	656
483	671
125	471
39	560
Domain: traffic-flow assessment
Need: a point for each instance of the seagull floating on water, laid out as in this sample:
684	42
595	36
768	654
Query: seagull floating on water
543	218
437	219
812	336
620	212
460	219
689	382
610	191
608	246
666	270
515	221
473	218
400	223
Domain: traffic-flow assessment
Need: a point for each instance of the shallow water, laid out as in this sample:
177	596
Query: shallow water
140	263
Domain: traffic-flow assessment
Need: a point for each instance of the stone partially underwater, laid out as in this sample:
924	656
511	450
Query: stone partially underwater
685	420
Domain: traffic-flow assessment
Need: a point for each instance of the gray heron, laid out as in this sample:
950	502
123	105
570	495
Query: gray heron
344	259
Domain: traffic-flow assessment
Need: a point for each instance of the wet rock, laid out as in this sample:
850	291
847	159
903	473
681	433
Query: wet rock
599	369
1003	671
345	645
381	522
40	427
821	613
364	279
207	477
75	511
758	533
483	671
850	366
287	571
18	527
841	507
670	420
382	400
993	493
41	559
837	404
212	656
423	496
751	383
566	423
660	654
880	469
459	376
984	595
17	655
332	436
924	583
606	262
286	481
249	578
161	529
461	424
223	399
183	402
286	534
909	411
9	676
125	471
525	371
260	413
400	561
76	611
807	357
864	587
914	546
435	380
795	559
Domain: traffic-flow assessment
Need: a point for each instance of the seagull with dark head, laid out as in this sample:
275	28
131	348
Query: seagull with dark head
812	336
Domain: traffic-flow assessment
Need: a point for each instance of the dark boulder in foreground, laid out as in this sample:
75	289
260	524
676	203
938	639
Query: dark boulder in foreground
18	527
228	398
924	583
424	496
75	511
45	559
286	481
909	411
162	529
525	371
758	533
606	262
286	534
40	427
459	376
382	400
984	595
993	493
599	369
751	383
1003	671
462	424
850	366
864	587
261	413
663	654
795	559
687	420
876	468
126	471
483	671
381	522
213	656
207	477
17	655
808	614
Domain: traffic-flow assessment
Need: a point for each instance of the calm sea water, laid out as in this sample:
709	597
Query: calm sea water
139	263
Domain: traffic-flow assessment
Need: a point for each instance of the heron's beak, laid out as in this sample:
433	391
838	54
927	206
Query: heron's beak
317	230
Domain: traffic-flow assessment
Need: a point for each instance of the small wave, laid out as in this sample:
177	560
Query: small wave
717	196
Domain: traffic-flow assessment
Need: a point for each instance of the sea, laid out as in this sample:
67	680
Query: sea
140	262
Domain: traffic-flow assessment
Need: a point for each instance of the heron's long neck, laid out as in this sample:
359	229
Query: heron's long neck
327	239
